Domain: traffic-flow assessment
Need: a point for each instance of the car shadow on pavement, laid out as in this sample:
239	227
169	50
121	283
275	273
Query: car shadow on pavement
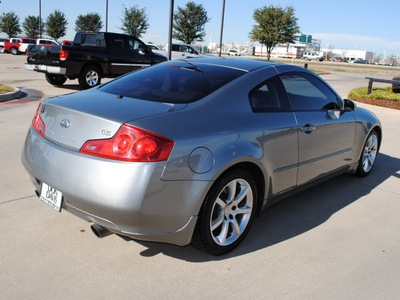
295	215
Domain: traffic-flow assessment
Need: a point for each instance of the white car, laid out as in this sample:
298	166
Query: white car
181	51
313	56
234	53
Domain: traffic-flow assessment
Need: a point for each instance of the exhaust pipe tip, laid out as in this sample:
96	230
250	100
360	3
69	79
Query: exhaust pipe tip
100	231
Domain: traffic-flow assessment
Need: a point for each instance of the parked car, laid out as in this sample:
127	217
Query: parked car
193	150
234	53
2	41
179	51
92	56
313	56
67	43
18	45
47	42
360	61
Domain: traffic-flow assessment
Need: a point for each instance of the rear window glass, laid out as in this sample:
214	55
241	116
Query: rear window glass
173	82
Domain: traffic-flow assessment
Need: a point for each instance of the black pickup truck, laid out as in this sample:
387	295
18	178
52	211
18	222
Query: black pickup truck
92	56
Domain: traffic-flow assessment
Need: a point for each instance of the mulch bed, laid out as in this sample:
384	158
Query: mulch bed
379	102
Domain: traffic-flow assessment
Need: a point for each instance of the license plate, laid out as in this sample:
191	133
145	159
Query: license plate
43	67
51	196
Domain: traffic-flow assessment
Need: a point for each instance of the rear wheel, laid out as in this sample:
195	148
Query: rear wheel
369	154
227	213
14	51
89	77
57	80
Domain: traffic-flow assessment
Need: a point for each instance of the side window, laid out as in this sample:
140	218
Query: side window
96	40
175	48
269	96
307	92
187	49
118	43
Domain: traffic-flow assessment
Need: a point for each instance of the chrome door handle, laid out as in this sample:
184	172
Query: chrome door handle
308	128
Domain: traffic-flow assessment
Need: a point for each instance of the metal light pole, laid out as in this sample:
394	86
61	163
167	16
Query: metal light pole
171	19
222	28
40	18
106	15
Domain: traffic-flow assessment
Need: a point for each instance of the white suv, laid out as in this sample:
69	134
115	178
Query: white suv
313	56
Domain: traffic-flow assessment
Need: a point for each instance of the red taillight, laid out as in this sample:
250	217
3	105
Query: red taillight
131	144
37	122
63	54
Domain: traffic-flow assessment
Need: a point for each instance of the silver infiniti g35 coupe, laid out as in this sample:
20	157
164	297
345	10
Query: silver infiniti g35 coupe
190	151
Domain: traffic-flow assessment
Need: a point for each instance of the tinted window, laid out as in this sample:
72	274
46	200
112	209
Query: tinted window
269	96
307	92
173	82
93	40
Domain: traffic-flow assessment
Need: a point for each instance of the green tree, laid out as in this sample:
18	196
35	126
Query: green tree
274	25
9	24
56	24
189	22
135	21
88	22
31	26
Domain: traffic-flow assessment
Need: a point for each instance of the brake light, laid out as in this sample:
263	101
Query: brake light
37	122
131	144
63	54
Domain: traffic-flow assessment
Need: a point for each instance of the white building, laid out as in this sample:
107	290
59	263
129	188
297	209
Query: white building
345	54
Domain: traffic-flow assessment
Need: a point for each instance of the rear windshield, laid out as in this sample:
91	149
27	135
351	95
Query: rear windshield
173	82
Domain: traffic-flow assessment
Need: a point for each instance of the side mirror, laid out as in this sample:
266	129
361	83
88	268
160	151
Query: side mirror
143	49
349	105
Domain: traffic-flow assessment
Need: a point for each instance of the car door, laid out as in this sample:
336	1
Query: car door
140	55
120	55
325	133
278	133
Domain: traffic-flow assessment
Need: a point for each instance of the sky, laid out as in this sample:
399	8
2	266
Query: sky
341	24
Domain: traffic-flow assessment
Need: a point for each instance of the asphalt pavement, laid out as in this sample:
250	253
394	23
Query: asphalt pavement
337	240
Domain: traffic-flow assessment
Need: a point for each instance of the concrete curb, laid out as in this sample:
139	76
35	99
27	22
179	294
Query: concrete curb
16	94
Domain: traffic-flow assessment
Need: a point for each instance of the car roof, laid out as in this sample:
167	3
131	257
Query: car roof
244	64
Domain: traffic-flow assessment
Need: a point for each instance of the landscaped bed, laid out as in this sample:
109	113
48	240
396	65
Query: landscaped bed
379	97
5	88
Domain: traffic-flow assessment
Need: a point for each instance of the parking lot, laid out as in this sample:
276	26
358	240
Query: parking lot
337	240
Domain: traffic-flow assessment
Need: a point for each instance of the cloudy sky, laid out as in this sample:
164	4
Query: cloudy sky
364	25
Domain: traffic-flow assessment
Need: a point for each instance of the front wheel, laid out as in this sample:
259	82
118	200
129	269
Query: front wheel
227	213
369	154
2	50
57	80
89	77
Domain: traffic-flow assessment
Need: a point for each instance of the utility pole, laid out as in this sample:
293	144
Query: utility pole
106	15
40	18
171	19
222	28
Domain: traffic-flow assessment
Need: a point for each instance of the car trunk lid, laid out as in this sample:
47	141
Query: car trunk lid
72	120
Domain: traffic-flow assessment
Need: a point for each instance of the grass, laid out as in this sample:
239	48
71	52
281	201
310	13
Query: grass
5	88
376	93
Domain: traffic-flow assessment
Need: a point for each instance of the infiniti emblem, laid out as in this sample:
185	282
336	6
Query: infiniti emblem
65	123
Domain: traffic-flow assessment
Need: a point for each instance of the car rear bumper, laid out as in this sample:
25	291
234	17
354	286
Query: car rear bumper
124	197
46	69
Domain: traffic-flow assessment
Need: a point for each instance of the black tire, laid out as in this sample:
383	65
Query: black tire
89	77
2	50
368	155
225	219
57	80
14	51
